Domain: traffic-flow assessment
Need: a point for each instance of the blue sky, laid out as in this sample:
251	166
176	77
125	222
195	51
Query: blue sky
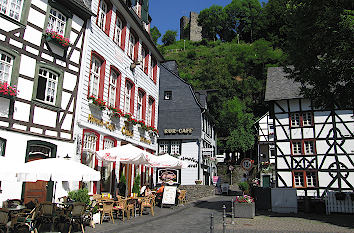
165	14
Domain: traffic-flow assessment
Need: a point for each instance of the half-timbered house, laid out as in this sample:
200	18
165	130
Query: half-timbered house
314	148
41	44
120	72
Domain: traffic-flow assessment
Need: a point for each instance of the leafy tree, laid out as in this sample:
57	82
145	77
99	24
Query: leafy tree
244	18
169	37
320	46
155	34
212	21
136	185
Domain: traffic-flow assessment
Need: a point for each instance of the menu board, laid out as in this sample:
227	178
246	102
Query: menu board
169	195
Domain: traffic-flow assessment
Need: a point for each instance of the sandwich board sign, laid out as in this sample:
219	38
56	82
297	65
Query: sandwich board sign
169	195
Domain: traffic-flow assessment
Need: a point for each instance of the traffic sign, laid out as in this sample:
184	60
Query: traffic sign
246	164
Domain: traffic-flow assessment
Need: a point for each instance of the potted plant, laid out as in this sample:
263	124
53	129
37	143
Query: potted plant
7	91
340	196
136	185
244	207
97	102
244	187
80	195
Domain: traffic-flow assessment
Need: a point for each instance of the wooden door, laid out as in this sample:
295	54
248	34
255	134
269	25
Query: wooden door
35	190
266	181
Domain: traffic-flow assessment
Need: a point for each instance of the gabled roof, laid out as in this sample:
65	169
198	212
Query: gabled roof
280	87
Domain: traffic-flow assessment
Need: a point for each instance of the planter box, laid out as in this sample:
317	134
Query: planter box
244	210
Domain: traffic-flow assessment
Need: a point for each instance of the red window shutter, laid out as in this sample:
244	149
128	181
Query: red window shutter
146	68
136	49
153	115
124	32
132	100
144	106
154	73
119	83
102	77
108	19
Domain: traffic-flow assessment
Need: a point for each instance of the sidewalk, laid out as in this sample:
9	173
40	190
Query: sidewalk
160	213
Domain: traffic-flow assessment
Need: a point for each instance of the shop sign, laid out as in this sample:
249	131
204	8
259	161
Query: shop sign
100	122
190	159
126	131
142	139
178	131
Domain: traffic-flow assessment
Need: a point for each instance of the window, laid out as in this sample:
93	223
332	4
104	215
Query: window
89	147
128	92
56	22
113	82
90	141
102	14
2	146
47	86
141	105
172	147
145	59
131	46
299	179
297	150
6	62
305	179
11	8
309	148
168	96
307	119
95	76
153	70
150	113
118	31
295	119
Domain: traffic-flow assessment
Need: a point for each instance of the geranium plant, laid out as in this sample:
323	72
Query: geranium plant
244	199
97	101
115	112
152	129
132	121
61	40
7	91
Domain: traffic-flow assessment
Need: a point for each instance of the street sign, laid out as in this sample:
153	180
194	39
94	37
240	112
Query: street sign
246	164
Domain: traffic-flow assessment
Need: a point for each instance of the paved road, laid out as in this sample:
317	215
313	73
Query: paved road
196	218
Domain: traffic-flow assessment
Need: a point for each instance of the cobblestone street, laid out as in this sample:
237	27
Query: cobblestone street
195	217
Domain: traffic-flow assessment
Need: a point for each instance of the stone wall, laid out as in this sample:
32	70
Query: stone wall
195	33
195	192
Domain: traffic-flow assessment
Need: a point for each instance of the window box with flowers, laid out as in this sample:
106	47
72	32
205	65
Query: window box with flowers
7	91
97	103
153	130
57	43
114	112
244	207
141	124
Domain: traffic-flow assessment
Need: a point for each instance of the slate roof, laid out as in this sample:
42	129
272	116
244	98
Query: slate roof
82	7
279	87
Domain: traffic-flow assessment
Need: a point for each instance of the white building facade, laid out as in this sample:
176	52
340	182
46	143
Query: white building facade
38	121
120	67
314	149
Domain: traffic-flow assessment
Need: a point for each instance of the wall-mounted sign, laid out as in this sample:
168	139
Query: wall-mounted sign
100	122
126	131
142	139
179	131
192	161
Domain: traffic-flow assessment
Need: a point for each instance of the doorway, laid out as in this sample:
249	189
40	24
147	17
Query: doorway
266	181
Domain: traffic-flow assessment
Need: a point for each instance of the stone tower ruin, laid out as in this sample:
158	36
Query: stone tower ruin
189	29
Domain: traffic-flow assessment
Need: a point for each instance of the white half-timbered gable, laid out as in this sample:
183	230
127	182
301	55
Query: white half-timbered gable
39	121
314	148
120	67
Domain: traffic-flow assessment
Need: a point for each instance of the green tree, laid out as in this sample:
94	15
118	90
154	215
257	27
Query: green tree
155	34
169	37
212	21
136	185
320	47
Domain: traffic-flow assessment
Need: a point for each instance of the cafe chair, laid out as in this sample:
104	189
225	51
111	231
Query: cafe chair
25	221
107	209
46	214
182	197
120	206
130	208
77	215
147	202
4	220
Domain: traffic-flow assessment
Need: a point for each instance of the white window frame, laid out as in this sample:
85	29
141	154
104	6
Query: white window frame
309	146
295	119
140	105
113	88
307	119
102	15
167	95
118	31
299	179
95	76
151	69
149	112
127	96
131	45
51	87
11	8
56	21
175	147
163	147
297	147
311	179
6	65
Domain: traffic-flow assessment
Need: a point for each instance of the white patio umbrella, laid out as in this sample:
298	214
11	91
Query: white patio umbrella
166	161
56	169
128	154
8	168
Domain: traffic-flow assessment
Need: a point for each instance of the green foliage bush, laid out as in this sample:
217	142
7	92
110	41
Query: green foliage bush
136	185
243	186
122	179
80	195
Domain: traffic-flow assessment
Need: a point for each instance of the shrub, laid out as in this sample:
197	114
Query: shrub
136	185
80	195
243	186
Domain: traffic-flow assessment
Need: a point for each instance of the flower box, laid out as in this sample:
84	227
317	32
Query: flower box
7	91
97	102
114	112
54	37
244	210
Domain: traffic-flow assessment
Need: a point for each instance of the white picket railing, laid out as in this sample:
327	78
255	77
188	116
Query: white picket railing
338	206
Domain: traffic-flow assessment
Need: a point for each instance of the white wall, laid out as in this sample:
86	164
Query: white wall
189	175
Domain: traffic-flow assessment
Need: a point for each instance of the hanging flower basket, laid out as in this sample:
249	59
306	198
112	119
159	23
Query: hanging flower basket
340	196
99	103
7	91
